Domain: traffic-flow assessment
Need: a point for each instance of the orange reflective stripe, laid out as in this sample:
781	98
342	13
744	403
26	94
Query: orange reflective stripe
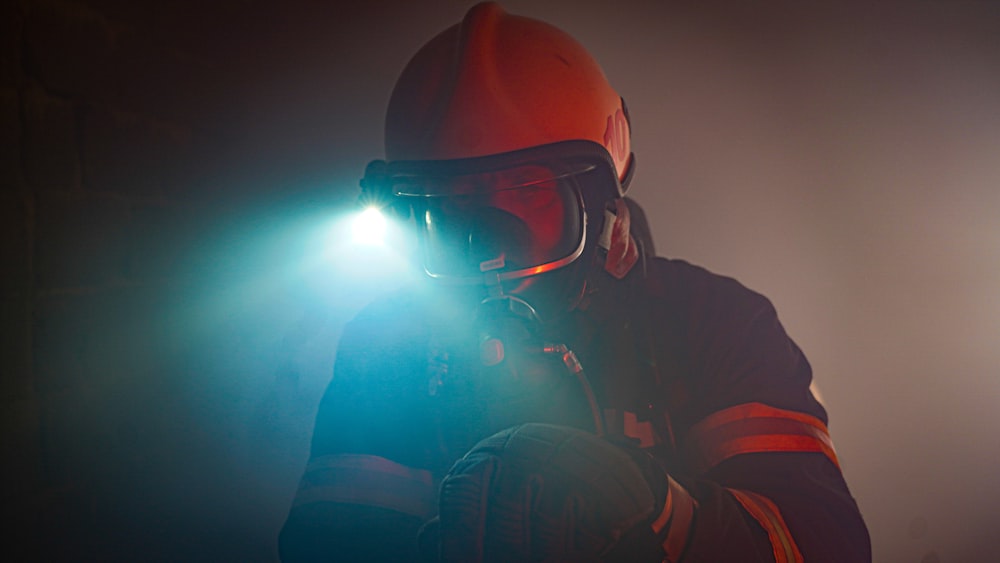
767	514
628	424
641	430
754	428
680	524
678	514
368	480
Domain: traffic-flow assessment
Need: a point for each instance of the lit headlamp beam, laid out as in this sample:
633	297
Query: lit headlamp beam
369	226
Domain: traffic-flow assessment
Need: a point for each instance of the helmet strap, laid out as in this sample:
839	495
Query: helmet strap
622	252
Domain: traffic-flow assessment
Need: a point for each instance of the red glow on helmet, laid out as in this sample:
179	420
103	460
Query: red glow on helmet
496	83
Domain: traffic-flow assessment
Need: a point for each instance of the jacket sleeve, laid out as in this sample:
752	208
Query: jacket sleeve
759	471
368	485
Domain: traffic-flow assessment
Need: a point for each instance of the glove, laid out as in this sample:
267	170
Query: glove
538	492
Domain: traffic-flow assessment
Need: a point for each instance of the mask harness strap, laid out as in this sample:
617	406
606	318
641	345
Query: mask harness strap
623	253
622	250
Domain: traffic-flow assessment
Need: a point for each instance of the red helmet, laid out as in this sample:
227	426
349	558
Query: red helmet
496	83
505	138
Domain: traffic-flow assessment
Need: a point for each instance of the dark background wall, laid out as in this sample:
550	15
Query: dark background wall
172	295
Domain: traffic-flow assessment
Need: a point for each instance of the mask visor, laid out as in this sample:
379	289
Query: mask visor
515	215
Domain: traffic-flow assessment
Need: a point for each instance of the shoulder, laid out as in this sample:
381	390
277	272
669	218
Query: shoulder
732	341
394	337
383	344
696	288
411	308
396	309
400	319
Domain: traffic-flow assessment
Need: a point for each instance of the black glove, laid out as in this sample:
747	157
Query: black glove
539	492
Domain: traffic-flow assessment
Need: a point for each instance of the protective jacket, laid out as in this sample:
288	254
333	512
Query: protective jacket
693	366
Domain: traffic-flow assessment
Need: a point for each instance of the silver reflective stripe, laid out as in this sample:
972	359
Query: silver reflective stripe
367	480
604	240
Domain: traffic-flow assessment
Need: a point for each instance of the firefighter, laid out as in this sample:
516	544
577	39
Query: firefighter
551	391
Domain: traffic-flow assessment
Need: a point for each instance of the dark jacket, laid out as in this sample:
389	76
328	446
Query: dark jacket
693	365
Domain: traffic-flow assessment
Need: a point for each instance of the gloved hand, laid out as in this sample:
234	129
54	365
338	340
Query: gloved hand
539	492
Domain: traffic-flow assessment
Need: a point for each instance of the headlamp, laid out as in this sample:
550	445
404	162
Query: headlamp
369	226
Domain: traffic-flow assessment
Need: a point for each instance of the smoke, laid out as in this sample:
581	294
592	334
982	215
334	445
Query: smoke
841	158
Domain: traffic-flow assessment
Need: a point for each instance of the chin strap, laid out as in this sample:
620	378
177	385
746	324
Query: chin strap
622	250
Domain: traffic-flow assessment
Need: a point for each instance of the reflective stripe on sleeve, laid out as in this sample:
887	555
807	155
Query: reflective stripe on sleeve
678	515
766	513
755	428
367	480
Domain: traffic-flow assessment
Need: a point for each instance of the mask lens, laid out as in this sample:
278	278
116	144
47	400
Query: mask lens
518	214
516	220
